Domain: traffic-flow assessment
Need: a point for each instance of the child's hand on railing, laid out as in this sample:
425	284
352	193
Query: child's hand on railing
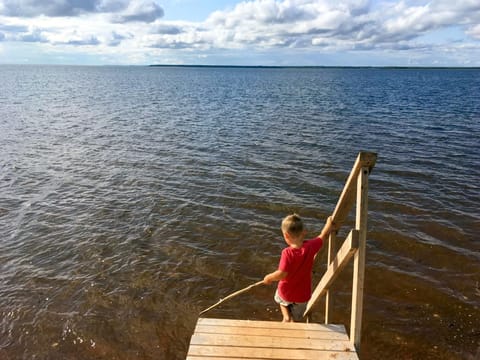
328	228
334	226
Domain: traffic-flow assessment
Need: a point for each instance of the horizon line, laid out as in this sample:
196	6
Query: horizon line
318	66
258	66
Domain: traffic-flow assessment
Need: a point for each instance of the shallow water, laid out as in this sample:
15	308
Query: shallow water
133	197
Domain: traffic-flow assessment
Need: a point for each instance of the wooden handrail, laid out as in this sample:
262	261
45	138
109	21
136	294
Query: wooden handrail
355	190
347	198
341	260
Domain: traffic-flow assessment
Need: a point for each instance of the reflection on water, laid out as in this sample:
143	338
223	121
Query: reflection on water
132	198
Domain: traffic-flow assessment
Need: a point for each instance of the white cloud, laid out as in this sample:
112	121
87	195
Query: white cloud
135	27
140	11
474	31
121	10
32	8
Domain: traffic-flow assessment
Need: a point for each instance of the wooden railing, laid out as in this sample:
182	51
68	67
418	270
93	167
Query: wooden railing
355	190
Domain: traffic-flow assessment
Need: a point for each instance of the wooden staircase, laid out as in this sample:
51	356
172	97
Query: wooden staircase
222	339
243	339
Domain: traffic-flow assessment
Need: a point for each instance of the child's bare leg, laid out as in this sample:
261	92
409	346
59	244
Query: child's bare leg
287	315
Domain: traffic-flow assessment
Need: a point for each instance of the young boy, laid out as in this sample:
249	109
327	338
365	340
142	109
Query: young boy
294	272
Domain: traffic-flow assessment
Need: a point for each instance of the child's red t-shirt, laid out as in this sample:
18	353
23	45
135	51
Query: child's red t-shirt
298	263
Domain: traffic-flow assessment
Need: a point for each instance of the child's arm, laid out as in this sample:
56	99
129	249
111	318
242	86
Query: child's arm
274	276
327	229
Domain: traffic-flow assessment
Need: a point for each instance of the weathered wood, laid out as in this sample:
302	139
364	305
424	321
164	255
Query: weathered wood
347	250
244	339
209	351
251	324
347	197
325	334
200	357
329	356
359	260
266	328
328	296
271	341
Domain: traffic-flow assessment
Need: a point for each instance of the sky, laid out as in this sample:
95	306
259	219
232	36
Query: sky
251	33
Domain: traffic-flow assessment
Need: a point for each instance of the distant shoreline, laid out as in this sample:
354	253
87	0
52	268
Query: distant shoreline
317	67
379	67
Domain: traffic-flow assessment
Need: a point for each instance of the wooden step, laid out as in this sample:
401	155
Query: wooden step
244	339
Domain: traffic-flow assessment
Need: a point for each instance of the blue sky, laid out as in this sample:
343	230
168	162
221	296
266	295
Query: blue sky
227	32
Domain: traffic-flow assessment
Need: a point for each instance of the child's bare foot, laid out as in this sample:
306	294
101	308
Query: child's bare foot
286	313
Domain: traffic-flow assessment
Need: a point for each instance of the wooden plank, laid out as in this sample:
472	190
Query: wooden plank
270	324
200	357
333	356
270	342
189	357
328	296
266	353
359	260
291	333
244	339
347	250
347	197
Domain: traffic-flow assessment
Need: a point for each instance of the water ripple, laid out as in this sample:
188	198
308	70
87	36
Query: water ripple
131	198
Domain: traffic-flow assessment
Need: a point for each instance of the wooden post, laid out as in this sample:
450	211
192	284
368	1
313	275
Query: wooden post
346	252
328	296
359	259
356	188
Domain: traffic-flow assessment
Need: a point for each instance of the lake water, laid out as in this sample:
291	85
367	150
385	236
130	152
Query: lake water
131	198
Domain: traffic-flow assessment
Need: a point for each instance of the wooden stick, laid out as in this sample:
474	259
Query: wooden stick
231	296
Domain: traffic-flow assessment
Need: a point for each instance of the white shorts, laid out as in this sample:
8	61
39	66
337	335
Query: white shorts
279	300
297	309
